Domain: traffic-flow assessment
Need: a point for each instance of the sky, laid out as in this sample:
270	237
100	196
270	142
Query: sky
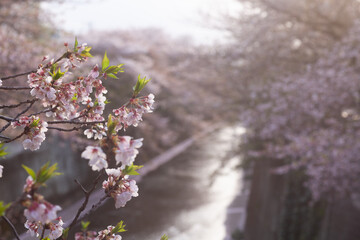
177	18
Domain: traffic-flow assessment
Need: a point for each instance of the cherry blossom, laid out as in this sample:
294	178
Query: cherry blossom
120	187
35	227
56	230
81	101
98	132
41	211
34	129
126	150
107	234
96	156
89	235
131	114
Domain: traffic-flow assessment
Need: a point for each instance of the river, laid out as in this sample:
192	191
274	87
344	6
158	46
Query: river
197	195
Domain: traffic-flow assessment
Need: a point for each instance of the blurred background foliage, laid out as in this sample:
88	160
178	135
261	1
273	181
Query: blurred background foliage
288	72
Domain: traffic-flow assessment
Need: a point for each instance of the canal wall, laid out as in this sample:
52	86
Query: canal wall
280	208
54	150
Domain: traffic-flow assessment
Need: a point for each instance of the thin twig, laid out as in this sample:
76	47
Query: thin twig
15	138
101	200
16	105
22	112
6	118
95	206
65	129
12	227
43	232
86	200
72	122
65	55
44	111
15	88
1	136
81	186
17	75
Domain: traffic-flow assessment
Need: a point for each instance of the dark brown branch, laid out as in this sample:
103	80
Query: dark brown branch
101	200
81	186
6	118
12	227
95	206
15	88
72	122
1	136
17	75
86	200
15	138
65	55
22	112
15	105
43	232
44	111
65	129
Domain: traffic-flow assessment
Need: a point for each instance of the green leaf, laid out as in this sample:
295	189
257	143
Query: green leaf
86	54
76	44
164	237
58	74
46	172
65	233
2	150
120	227
3	208
84	225
131	170
115	69
35	123
111	125
140	84
53	68
105	62
30	171
112	75
74	98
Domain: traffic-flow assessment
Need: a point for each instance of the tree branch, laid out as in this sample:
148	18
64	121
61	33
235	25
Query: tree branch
65	129
6	118
44	111
22	112
15	138
12	227
72	122
16	105
17	75
15	88
87	196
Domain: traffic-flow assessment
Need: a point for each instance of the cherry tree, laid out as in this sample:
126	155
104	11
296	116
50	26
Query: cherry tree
297	81
58	98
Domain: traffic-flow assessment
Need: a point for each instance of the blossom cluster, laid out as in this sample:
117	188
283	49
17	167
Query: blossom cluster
34	129
96	156
108	234
311	119
40	214
101	235
80	101
131	113
65	97
119	187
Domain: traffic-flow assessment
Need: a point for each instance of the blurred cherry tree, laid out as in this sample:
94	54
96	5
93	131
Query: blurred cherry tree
295	69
